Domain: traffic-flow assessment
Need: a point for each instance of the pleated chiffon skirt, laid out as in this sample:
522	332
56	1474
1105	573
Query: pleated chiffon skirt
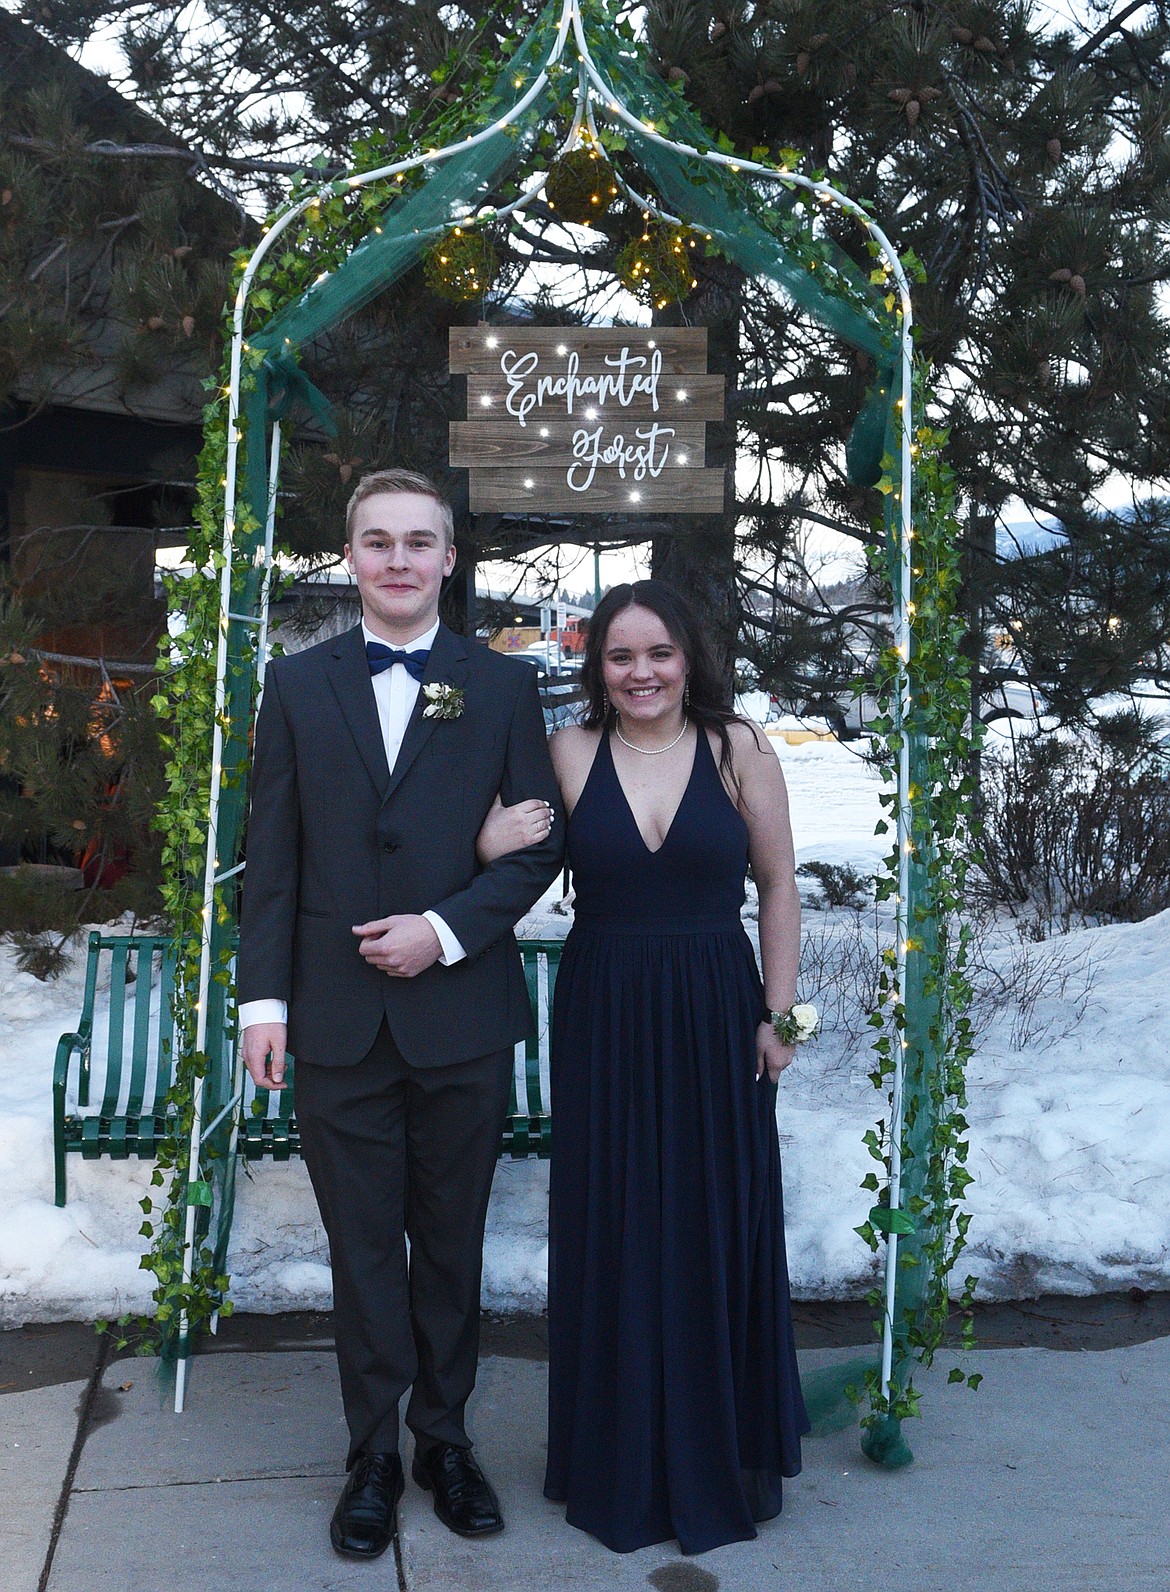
674	1398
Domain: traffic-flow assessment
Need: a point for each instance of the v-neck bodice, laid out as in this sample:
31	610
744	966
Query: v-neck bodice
696	875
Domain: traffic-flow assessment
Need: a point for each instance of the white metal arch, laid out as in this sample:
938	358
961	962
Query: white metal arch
592	93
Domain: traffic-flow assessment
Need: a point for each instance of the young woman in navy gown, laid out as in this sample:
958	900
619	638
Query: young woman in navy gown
674	1399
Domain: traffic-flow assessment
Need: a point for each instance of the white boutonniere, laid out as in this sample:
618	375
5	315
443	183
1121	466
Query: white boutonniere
443	701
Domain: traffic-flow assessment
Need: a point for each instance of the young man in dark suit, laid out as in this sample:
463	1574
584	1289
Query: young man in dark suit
376	948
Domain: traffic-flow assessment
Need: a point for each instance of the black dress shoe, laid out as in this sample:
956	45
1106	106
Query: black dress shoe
365	1521
464	1500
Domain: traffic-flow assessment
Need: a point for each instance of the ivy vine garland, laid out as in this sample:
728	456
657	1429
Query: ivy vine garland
940	833
658	265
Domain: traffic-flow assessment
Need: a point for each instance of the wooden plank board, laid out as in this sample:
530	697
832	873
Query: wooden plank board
683	348
702	400
547	492
495	444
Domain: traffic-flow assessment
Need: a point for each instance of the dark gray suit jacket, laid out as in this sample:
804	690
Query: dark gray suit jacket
335	839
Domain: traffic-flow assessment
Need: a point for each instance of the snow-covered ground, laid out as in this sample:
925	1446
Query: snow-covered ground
1069	1112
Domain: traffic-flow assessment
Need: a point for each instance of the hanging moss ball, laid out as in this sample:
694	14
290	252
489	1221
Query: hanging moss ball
581	186
659	265
461	266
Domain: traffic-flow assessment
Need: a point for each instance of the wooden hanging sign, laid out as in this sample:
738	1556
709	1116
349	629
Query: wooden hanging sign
590	420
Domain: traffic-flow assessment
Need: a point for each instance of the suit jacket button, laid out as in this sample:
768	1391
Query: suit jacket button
390	845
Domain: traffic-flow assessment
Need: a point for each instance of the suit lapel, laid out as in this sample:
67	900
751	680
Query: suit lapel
448	663
349	675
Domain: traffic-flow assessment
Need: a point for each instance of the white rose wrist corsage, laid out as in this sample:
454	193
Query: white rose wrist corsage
795	1025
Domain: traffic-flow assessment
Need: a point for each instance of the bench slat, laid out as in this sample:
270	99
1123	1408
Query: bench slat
143	974
166	1021
119	951
532	1048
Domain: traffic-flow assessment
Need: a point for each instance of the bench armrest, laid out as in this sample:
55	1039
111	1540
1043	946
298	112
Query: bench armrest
67	1046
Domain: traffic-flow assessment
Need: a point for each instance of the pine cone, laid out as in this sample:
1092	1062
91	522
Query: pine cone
677	75
902	96
913	111
156	323
962	36
188	325
181	252
1062	275
718	29
817	40
756	92
773	86
6	197
803	62
1053	149
1077	283
984	44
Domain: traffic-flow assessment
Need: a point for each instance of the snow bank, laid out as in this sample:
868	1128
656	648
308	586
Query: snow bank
1069	1112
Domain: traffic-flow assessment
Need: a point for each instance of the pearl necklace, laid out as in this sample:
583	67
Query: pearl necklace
650	751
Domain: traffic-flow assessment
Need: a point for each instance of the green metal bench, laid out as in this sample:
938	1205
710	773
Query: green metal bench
110	1077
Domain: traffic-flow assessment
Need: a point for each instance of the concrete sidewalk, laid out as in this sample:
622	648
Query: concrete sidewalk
1052	1477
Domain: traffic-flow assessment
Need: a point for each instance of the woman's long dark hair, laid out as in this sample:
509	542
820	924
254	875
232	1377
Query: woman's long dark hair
708	706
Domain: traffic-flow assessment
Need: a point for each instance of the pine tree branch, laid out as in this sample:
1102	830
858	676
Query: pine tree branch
1114	25
197	158
100	664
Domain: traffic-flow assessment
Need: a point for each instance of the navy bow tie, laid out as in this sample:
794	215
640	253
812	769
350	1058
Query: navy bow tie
379	657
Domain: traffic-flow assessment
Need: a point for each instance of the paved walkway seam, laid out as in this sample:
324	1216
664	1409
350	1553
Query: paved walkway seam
83	1416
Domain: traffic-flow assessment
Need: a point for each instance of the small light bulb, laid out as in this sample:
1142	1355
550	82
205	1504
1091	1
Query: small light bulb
681	395
682	458
486	400
635	497
491	342
591	413
529	484
544	431
650	343
562	350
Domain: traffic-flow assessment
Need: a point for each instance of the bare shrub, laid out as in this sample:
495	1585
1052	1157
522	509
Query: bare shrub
840	959
1047	988
1078	832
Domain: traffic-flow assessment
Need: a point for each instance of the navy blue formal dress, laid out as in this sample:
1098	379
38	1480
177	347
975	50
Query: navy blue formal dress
674	1399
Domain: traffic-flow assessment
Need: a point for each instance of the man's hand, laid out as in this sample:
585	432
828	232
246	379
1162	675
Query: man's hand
264	1046
403	946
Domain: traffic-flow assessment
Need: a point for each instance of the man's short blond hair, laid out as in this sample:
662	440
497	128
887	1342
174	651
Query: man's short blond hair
399	481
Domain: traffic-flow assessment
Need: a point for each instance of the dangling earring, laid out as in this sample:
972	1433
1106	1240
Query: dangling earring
605	701
687	694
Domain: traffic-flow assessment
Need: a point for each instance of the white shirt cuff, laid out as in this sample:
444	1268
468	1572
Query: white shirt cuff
253	1012
452	950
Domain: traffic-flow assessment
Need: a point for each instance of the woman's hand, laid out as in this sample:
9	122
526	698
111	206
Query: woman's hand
512	828
771	1056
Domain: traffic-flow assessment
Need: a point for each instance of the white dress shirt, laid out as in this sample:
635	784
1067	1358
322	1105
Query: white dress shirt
395	694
